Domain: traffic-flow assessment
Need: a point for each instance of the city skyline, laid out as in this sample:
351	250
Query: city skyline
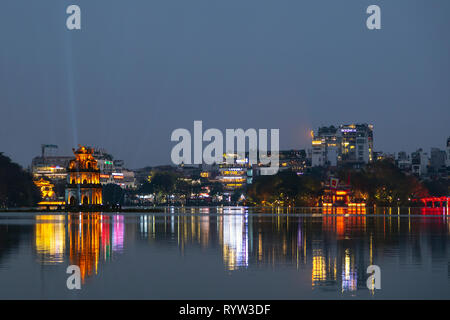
126	86
61	152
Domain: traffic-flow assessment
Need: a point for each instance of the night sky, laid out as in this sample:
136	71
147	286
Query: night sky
139	69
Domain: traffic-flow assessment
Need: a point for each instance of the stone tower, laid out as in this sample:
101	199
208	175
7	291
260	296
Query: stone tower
83	179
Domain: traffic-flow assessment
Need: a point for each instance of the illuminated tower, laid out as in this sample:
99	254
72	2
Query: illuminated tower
83	179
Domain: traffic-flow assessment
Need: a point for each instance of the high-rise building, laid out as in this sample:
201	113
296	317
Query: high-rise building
437	160
325	147
356	143
351	143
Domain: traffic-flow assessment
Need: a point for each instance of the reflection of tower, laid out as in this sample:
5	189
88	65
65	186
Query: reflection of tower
83	179
85	231
235	240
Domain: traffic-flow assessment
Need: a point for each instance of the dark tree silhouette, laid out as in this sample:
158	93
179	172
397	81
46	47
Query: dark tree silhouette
17	188
113	194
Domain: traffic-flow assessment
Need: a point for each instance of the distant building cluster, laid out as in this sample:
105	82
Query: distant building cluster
232	174
435	164
352	145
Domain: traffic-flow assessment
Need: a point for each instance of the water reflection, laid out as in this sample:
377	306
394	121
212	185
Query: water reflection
235	240
333	248
89	237
50	240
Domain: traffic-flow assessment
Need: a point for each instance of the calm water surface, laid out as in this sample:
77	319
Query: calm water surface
208	253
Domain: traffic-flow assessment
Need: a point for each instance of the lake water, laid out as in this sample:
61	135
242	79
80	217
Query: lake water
227	253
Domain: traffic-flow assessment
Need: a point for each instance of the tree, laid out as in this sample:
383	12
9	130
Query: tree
284	189
382	183
438	188
161	184
113	194
17	188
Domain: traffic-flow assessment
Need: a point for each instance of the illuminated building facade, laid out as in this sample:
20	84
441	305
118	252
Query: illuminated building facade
341	195
325	147
46	189
293	160
356	143
48	165
235	175
112	171
351	144
83	179
48	195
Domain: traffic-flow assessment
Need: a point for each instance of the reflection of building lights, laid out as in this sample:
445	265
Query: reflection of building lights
204	230
85	242
144	225
235	241
349	279
106	233
319	272
50	238
118	232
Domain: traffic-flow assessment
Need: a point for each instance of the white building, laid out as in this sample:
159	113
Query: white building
351	143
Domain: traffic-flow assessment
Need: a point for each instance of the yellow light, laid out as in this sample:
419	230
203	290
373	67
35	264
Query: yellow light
54	203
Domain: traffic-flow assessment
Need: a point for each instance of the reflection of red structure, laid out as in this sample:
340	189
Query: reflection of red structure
435	202
432	211
345	221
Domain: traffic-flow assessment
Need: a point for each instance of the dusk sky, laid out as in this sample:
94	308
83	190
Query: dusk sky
140	69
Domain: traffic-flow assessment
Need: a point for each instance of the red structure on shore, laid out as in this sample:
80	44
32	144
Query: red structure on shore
340	196
435	202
